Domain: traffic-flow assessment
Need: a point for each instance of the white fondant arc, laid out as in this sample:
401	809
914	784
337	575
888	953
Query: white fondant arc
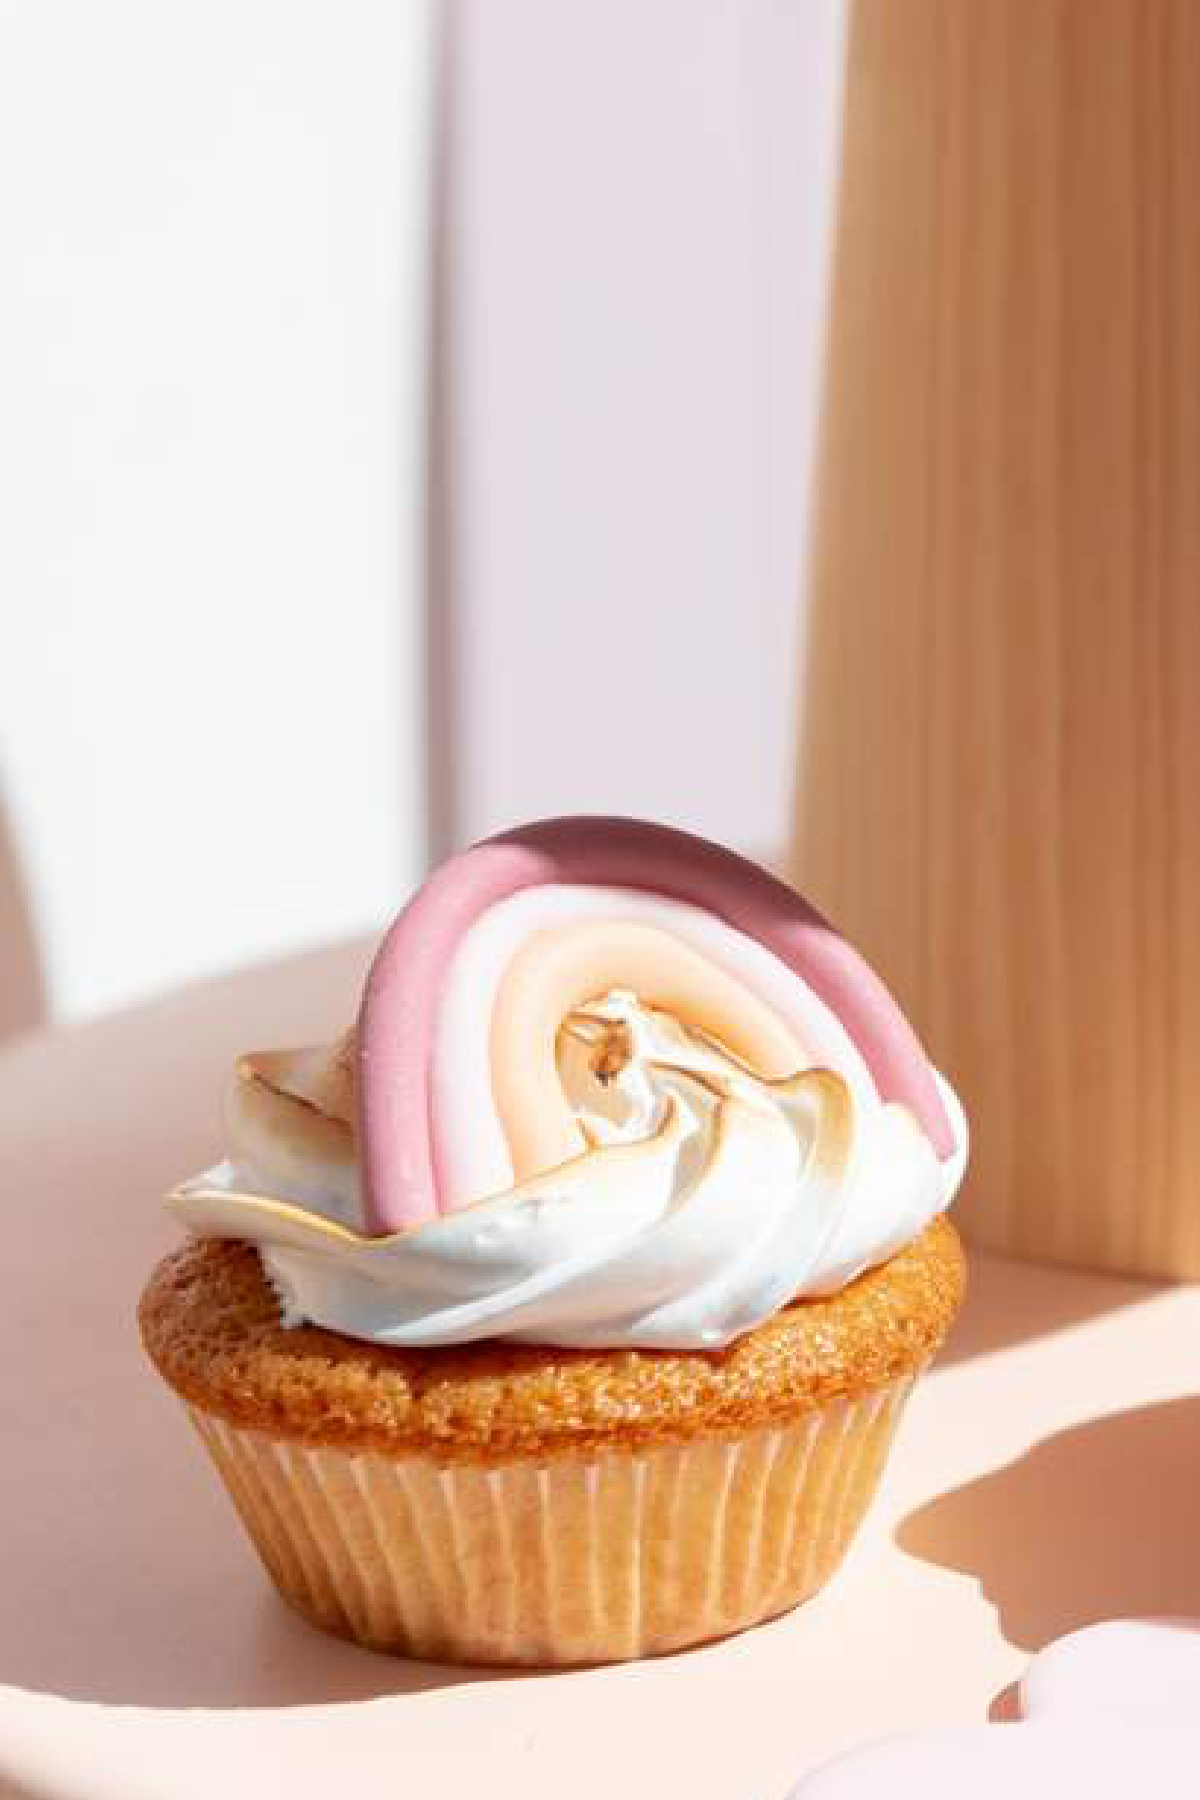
473	1153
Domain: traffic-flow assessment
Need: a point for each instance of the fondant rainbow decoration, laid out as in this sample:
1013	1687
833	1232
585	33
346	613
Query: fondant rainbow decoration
458	1087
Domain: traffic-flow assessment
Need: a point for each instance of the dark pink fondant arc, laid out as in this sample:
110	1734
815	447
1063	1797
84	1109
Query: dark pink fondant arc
404	986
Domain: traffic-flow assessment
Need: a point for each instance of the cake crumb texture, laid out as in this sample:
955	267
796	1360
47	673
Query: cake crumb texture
210	1323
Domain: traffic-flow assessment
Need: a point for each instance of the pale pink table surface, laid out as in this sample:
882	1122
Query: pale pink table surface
1046	1476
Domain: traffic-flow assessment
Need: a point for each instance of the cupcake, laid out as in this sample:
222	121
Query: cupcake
563	1310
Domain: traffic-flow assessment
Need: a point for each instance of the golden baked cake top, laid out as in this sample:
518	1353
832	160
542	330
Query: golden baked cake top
211	1325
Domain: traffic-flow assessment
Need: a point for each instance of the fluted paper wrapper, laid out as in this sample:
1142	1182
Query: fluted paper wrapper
564	1561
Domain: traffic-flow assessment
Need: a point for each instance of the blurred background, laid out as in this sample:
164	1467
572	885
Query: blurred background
407	422
778	417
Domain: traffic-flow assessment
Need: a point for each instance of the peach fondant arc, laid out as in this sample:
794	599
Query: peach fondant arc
400	1002
561	969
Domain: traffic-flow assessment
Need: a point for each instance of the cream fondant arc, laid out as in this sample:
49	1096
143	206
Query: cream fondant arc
404	1179
561	970
473	1153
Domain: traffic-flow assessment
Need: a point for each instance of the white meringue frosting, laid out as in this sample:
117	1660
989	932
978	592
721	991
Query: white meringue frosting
707	1199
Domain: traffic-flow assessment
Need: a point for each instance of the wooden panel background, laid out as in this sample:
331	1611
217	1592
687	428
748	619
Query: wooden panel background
999	773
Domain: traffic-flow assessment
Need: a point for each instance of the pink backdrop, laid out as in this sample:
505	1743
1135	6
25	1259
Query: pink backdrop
635	203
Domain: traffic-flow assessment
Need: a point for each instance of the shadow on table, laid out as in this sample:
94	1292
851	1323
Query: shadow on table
23	999
1093	1523
126	1577
275	1661
1010	1302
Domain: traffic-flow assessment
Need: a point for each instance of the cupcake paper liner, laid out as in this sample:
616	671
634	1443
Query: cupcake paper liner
564	1561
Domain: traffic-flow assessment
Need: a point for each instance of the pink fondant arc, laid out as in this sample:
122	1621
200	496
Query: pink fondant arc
404	985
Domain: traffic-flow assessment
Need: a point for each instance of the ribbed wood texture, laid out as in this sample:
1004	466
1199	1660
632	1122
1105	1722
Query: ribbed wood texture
567	1562
1001	757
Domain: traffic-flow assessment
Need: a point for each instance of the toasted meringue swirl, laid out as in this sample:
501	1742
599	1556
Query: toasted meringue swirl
707	1198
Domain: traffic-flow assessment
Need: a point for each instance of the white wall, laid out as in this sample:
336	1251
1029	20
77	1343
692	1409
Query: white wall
642	196
214	260
212	277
